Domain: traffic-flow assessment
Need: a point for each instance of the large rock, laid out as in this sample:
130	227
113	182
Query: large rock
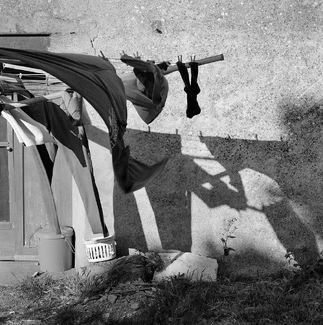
194	266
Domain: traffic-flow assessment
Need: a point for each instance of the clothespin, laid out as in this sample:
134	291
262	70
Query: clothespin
179	58
103	56
193	58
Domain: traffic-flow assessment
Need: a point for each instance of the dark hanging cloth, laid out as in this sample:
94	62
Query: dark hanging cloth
192	89
95	79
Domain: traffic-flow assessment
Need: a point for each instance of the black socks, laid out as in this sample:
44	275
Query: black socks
192	90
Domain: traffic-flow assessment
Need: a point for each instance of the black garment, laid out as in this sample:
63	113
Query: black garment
192	90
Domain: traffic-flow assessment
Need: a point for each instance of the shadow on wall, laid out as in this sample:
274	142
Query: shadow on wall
293	206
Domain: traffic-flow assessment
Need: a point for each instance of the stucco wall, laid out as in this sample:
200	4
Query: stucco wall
250	165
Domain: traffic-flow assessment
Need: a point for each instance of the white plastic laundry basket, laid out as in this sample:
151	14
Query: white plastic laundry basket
100	249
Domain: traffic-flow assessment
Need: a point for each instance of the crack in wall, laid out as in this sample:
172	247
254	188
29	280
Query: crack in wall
92	40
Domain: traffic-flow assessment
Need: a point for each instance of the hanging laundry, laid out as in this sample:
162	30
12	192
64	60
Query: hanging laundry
72	141
74	107
28	131
96	80
146	87
192	89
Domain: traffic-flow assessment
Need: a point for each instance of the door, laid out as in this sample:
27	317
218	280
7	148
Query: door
7	244
21	211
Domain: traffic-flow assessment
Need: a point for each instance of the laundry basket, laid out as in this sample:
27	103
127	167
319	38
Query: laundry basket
100	249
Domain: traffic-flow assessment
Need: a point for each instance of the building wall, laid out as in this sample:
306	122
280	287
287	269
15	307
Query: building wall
246	173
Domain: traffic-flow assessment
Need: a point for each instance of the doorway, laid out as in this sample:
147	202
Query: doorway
20	213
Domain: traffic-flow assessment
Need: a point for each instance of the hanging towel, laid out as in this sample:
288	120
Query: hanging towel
146	87
27	130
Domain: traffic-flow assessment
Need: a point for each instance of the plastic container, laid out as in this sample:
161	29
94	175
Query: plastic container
100	249
55	251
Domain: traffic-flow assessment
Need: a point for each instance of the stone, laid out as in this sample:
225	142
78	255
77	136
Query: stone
194	266
112	298
135	305
93	270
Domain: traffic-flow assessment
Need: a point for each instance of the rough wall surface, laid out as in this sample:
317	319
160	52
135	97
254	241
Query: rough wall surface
245	174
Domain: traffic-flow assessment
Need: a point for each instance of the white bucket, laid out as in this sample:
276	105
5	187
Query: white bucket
55	251
100	249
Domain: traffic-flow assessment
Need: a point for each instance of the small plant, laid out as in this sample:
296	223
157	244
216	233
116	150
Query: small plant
226	248
291	259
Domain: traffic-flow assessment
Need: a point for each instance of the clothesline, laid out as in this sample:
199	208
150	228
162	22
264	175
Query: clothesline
211	59
173	68
37	72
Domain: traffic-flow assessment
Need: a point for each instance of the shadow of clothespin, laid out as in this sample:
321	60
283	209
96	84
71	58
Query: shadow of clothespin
136	55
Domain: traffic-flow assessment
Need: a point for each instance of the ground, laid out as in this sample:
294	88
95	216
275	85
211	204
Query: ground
285	298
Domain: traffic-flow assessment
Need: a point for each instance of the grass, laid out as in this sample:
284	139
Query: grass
285	298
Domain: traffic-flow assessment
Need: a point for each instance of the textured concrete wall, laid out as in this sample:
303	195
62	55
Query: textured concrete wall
250	165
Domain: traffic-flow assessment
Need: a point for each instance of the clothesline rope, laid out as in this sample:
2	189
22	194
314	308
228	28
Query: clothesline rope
173	68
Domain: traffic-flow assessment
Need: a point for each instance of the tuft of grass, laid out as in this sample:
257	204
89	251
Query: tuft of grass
86	284
33	287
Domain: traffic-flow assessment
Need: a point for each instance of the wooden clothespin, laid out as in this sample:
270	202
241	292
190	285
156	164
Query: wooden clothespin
179	58
193	58
103	56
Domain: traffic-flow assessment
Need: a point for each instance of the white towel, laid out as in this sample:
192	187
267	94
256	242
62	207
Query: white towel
27	130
